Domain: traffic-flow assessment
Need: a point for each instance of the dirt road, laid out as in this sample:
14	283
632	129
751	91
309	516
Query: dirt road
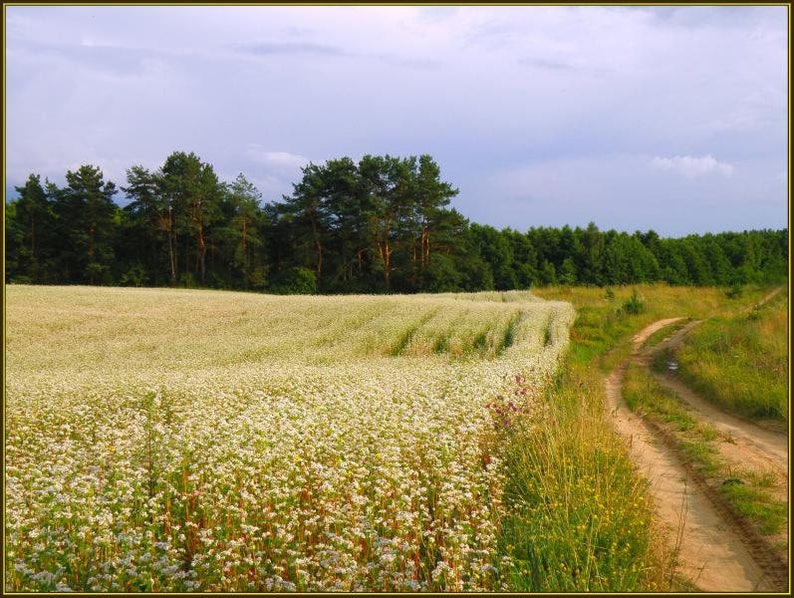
715	551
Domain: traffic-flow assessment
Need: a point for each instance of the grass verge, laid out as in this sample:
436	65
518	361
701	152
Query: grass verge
740	361
748	493
579	517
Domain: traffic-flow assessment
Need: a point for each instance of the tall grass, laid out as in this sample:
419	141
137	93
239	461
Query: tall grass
579	518
741	361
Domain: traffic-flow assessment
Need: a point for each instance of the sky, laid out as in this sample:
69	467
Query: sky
673	119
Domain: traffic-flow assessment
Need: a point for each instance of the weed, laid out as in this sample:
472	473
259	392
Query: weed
633	305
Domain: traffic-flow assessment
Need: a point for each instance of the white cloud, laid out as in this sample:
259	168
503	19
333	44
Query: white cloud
693	166
275	159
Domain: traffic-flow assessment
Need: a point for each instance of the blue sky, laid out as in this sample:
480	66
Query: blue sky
665	118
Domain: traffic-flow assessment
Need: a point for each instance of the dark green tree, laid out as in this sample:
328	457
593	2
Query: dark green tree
240	237
86	226
30	223
148	233
192	192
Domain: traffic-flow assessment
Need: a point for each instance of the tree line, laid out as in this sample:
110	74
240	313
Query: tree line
379	225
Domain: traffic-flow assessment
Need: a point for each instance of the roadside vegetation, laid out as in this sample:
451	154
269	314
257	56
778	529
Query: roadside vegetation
579	518
752	494
741	361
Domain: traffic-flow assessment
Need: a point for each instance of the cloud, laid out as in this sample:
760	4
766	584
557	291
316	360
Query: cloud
516	103
692	166
543	63
274	159
281	48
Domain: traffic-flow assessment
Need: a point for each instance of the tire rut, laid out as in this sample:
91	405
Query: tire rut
717	550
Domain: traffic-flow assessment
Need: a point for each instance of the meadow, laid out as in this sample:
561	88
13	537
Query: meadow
176	440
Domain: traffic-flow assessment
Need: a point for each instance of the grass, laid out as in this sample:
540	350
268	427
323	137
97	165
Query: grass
663	333
748	492
603	329
741	361
757	505
579	519
580	540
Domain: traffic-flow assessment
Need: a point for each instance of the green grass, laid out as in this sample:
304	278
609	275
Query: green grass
757	505
660	335
741	361
580	520
747	492
579	516
603	330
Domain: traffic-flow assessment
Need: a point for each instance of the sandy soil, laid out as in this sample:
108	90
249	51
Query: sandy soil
715	551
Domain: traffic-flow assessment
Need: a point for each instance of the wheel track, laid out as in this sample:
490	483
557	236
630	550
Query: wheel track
738	558
769	561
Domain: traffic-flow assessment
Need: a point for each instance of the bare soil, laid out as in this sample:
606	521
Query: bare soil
715	549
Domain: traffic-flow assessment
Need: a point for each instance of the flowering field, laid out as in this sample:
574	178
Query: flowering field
174	440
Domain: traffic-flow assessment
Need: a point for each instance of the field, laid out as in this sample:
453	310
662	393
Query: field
167	440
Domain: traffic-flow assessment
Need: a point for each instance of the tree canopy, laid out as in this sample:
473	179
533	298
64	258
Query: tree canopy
379	225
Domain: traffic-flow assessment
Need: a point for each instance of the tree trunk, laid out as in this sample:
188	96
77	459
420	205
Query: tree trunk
33	257
387	265
319	246
384	252
172	257
171	252
202	252
425	246
91	235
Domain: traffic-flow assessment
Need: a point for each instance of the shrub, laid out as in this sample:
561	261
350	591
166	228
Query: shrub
734	292
295	281
633	305
134	277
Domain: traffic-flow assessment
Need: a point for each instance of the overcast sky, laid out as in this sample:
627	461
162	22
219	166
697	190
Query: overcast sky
635	118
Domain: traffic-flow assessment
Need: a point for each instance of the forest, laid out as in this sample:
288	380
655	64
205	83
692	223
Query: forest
380	225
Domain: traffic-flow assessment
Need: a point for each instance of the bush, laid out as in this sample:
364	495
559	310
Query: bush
633	305
187	280
295	281
134	277
734	292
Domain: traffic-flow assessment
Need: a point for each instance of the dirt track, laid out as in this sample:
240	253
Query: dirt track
716	551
